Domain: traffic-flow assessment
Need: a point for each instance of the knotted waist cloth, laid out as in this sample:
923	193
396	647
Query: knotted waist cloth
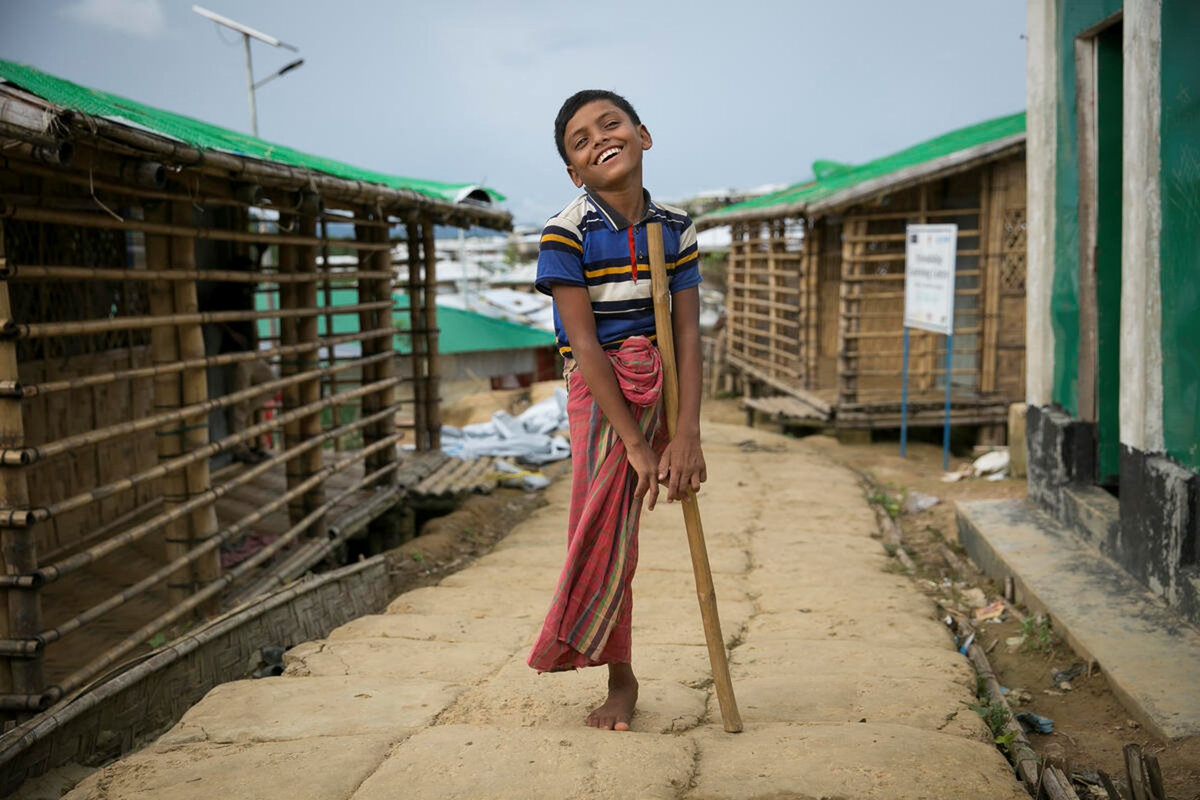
590	618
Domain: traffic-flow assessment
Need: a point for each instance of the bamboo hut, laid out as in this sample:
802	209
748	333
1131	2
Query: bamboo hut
815	291
134	244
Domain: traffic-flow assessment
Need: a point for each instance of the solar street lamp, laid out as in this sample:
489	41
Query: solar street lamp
247	34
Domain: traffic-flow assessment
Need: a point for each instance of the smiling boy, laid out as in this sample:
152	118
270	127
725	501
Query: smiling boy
593	261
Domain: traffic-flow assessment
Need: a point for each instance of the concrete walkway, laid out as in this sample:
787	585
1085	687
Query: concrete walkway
848	685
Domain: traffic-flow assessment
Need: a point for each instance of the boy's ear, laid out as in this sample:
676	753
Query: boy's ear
644	133
574	176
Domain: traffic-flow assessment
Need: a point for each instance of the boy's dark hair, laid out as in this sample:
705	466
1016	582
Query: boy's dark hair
578	101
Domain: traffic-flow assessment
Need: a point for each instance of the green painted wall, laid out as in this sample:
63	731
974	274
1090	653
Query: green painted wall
1180	240
1074	17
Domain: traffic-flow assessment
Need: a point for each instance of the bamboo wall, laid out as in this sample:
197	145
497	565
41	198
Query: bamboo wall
817	310
765	301
117	281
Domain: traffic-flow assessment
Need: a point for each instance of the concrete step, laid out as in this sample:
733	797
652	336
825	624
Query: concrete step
1150	654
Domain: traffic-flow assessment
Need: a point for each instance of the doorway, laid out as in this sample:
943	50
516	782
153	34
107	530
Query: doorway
1100	102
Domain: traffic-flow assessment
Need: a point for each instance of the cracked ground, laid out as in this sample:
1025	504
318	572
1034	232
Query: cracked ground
848	684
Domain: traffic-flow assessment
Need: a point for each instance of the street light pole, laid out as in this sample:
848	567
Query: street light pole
250	87
249	33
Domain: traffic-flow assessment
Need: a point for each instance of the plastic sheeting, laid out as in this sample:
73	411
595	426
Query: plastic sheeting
532	437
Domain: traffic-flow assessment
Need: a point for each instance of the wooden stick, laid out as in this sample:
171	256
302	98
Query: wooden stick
691	509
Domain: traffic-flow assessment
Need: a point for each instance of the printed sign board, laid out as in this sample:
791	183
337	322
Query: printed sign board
929	255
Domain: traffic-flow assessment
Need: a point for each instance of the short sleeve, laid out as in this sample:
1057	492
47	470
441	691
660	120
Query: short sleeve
687	261
560	255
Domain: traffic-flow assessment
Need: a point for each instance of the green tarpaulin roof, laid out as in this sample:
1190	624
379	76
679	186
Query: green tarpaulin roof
460	331
832	178
204	136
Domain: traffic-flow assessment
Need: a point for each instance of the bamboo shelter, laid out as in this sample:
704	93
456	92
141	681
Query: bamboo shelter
815	297
138	357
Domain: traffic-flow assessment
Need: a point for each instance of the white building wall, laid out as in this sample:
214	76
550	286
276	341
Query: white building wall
1141	297
1040	125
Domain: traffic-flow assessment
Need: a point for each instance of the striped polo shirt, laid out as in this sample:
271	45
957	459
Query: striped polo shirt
589	244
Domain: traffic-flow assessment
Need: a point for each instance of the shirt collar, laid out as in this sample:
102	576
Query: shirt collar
614	218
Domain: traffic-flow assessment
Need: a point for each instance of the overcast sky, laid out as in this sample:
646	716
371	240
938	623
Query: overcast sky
736	94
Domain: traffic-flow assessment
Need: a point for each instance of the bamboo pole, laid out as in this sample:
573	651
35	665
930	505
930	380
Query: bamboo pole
194	391
416	320
21	518
164	349
705	593
288	336
105	222
23	272
330	354
12	330
309	391
198	552
366	320
87	381
385	368
433	398
322	548
73	563
131	642
21	614
28	455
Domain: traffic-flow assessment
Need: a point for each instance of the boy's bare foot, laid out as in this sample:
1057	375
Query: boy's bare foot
617	711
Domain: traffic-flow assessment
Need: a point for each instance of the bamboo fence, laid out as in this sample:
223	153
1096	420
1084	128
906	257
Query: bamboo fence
815	303
141	281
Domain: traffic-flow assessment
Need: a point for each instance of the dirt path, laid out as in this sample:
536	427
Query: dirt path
848	684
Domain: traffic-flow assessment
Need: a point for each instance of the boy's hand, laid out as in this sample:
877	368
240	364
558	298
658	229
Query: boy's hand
682	467
641	458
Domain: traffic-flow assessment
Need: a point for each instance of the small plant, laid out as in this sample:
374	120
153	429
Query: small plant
886	501
1039	638
157	640
417	556
994	715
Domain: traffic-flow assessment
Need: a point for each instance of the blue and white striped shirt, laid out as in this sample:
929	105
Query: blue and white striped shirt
589	244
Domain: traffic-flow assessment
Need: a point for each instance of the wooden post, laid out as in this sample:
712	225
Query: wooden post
705	593
367	321
385	369
989	264
432	389
21	615
194	389
416	322
849	314
309	391
288	299
330	355
164	349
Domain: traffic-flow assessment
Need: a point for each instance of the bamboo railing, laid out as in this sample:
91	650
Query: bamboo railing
817	312
123	286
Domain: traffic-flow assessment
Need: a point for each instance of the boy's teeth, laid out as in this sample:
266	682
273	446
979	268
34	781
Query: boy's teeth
608	154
